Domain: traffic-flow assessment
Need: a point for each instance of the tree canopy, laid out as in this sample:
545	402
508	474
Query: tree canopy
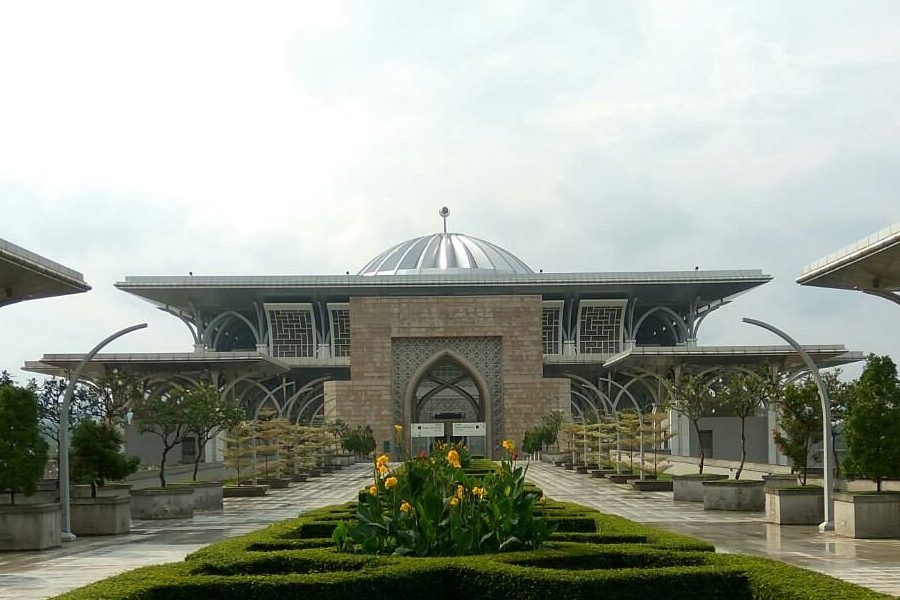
23	453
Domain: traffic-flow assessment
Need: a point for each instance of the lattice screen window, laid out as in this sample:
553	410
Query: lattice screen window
292	333
600	329
340	332
550	329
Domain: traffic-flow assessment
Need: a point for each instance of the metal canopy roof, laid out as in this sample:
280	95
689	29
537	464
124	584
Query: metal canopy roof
148	363
654	357
871	263
243	291
25	275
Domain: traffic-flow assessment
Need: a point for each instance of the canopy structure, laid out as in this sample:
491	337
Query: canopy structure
148	363
871	265
25	275
785	357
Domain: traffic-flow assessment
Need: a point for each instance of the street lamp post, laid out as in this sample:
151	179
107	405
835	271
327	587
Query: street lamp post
828	523
67	535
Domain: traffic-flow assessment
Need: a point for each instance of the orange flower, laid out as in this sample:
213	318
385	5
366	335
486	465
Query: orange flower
398	428
390	482
405	507
453	458
454	501
382	460
460	491
373	490
382	470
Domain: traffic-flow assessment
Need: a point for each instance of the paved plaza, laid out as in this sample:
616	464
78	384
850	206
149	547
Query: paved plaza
36	575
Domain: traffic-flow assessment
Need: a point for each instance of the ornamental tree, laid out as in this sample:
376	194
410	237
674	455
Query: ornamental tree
872	429
164	416
208	414
85	404
23	453
690	395
96	457
800	423
745	393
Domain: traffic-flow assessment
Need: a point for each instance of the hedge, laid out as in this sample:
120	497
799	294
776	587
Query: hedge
615	559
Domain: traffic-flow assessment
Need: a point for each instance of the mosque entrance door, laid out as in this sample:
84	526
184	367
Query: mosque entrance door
448	395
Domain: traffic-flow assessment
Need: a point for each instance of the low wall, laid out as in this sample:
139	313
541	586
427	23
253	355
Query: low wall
214	471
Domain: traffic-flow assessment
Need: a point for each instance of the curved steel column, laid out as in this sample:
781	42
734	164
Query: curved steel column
828	523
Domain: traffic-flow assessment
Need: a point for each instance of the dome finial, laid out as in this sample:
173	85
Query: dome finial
444	212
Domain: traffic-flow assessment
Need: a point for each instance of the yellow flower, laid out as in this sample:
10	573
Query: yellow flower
382	470
454	501
405	507
460	491
390	482
373	490
453	458
382	460
541	499
480	492
509	446
398	428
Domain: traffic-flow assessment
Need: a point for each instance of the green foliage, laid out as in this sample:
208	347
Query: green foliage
23	453
873	422
625	560
238	453
432	507
359	441
96	457
691	396
745	393
800	421
164	416
207	414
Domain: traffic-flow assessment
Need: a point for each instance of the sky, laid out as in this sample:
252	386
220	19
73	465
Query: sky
306	137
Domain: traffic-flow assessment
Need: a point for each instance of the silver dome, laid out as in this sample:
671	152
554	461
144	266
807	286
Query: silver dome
445	253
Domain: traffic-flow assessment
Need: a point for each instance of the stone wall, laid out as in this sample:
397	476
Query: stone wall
376	323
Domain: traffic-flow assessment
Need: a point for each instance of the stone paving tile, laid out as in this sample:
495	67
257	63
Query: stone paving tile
38	575
871	563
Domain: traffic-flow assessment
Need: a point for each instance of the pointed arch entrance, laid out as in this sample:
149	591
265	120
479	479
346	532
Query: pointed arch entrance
449	393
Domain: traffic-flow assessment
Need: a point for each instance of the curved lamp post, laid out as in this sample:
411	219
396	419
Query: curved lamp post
828	523
67	535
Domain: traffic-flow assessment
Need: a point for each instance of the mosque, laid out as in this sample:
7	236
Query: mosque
452	336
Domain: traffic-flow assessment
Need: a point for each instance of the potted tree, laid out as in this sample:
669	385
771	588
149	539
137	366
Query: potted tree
240	457
800	426
628	437
656	434
269	430
207	414
95	460
163	416
23	455
691	396
872	433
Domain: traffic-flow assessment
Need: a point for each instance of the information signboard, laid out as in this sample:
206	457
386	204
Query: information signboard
468	429
421	430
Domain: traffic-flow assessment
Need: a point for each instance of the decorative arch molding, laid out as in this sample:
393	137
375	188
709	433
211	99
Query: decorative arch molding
680	332
411	403
481	357
209	329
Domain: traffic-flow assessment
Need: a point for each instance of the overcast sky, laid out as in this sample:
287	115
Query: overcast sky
161	138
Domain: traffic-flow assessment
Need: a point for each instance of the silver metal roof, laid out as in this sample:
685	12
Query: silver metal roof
145	362
445	254
649	357
25	275
871	263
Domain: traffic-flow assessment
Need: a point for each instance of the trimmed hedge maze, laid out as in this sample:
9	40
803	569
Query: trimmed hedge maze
592	555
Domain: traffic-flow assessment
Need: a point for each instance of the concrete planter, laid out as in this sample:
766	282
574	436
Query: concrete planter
173	502
315	472
623	478
298	477
795	505
275	483
569	466
207	494
110	490
652	485
872	515
244	491
103	515
689	488
728	494
601	473
780	481
582	469
30	526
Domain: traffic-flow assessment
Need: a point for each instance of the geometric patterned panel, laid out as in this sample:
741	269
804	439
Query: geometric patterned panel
340	331
291	333
550	333
600	329
483	353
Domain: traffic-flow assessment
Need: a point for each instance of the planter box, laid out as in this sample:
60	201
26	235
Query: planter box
559	463
623	478
795	505
689	488
581	469
162	503
207	494
316	472
298	477
244	491
275	483
569	466
326	470
728	494
601	473
780	481
111	490
652	485
103	515
30	526
867	515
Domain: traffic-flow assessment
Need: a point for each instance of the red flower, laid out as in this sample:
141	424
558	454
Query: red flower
515	457
423	455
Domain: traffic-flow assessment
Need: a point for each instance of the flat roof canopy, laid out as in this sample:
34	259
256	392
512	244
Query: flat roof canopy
215	293
60	365
25	275
655	357
871	263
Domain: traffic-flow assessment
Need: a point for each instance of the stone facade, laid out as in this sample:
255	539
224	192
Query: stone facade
496	338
